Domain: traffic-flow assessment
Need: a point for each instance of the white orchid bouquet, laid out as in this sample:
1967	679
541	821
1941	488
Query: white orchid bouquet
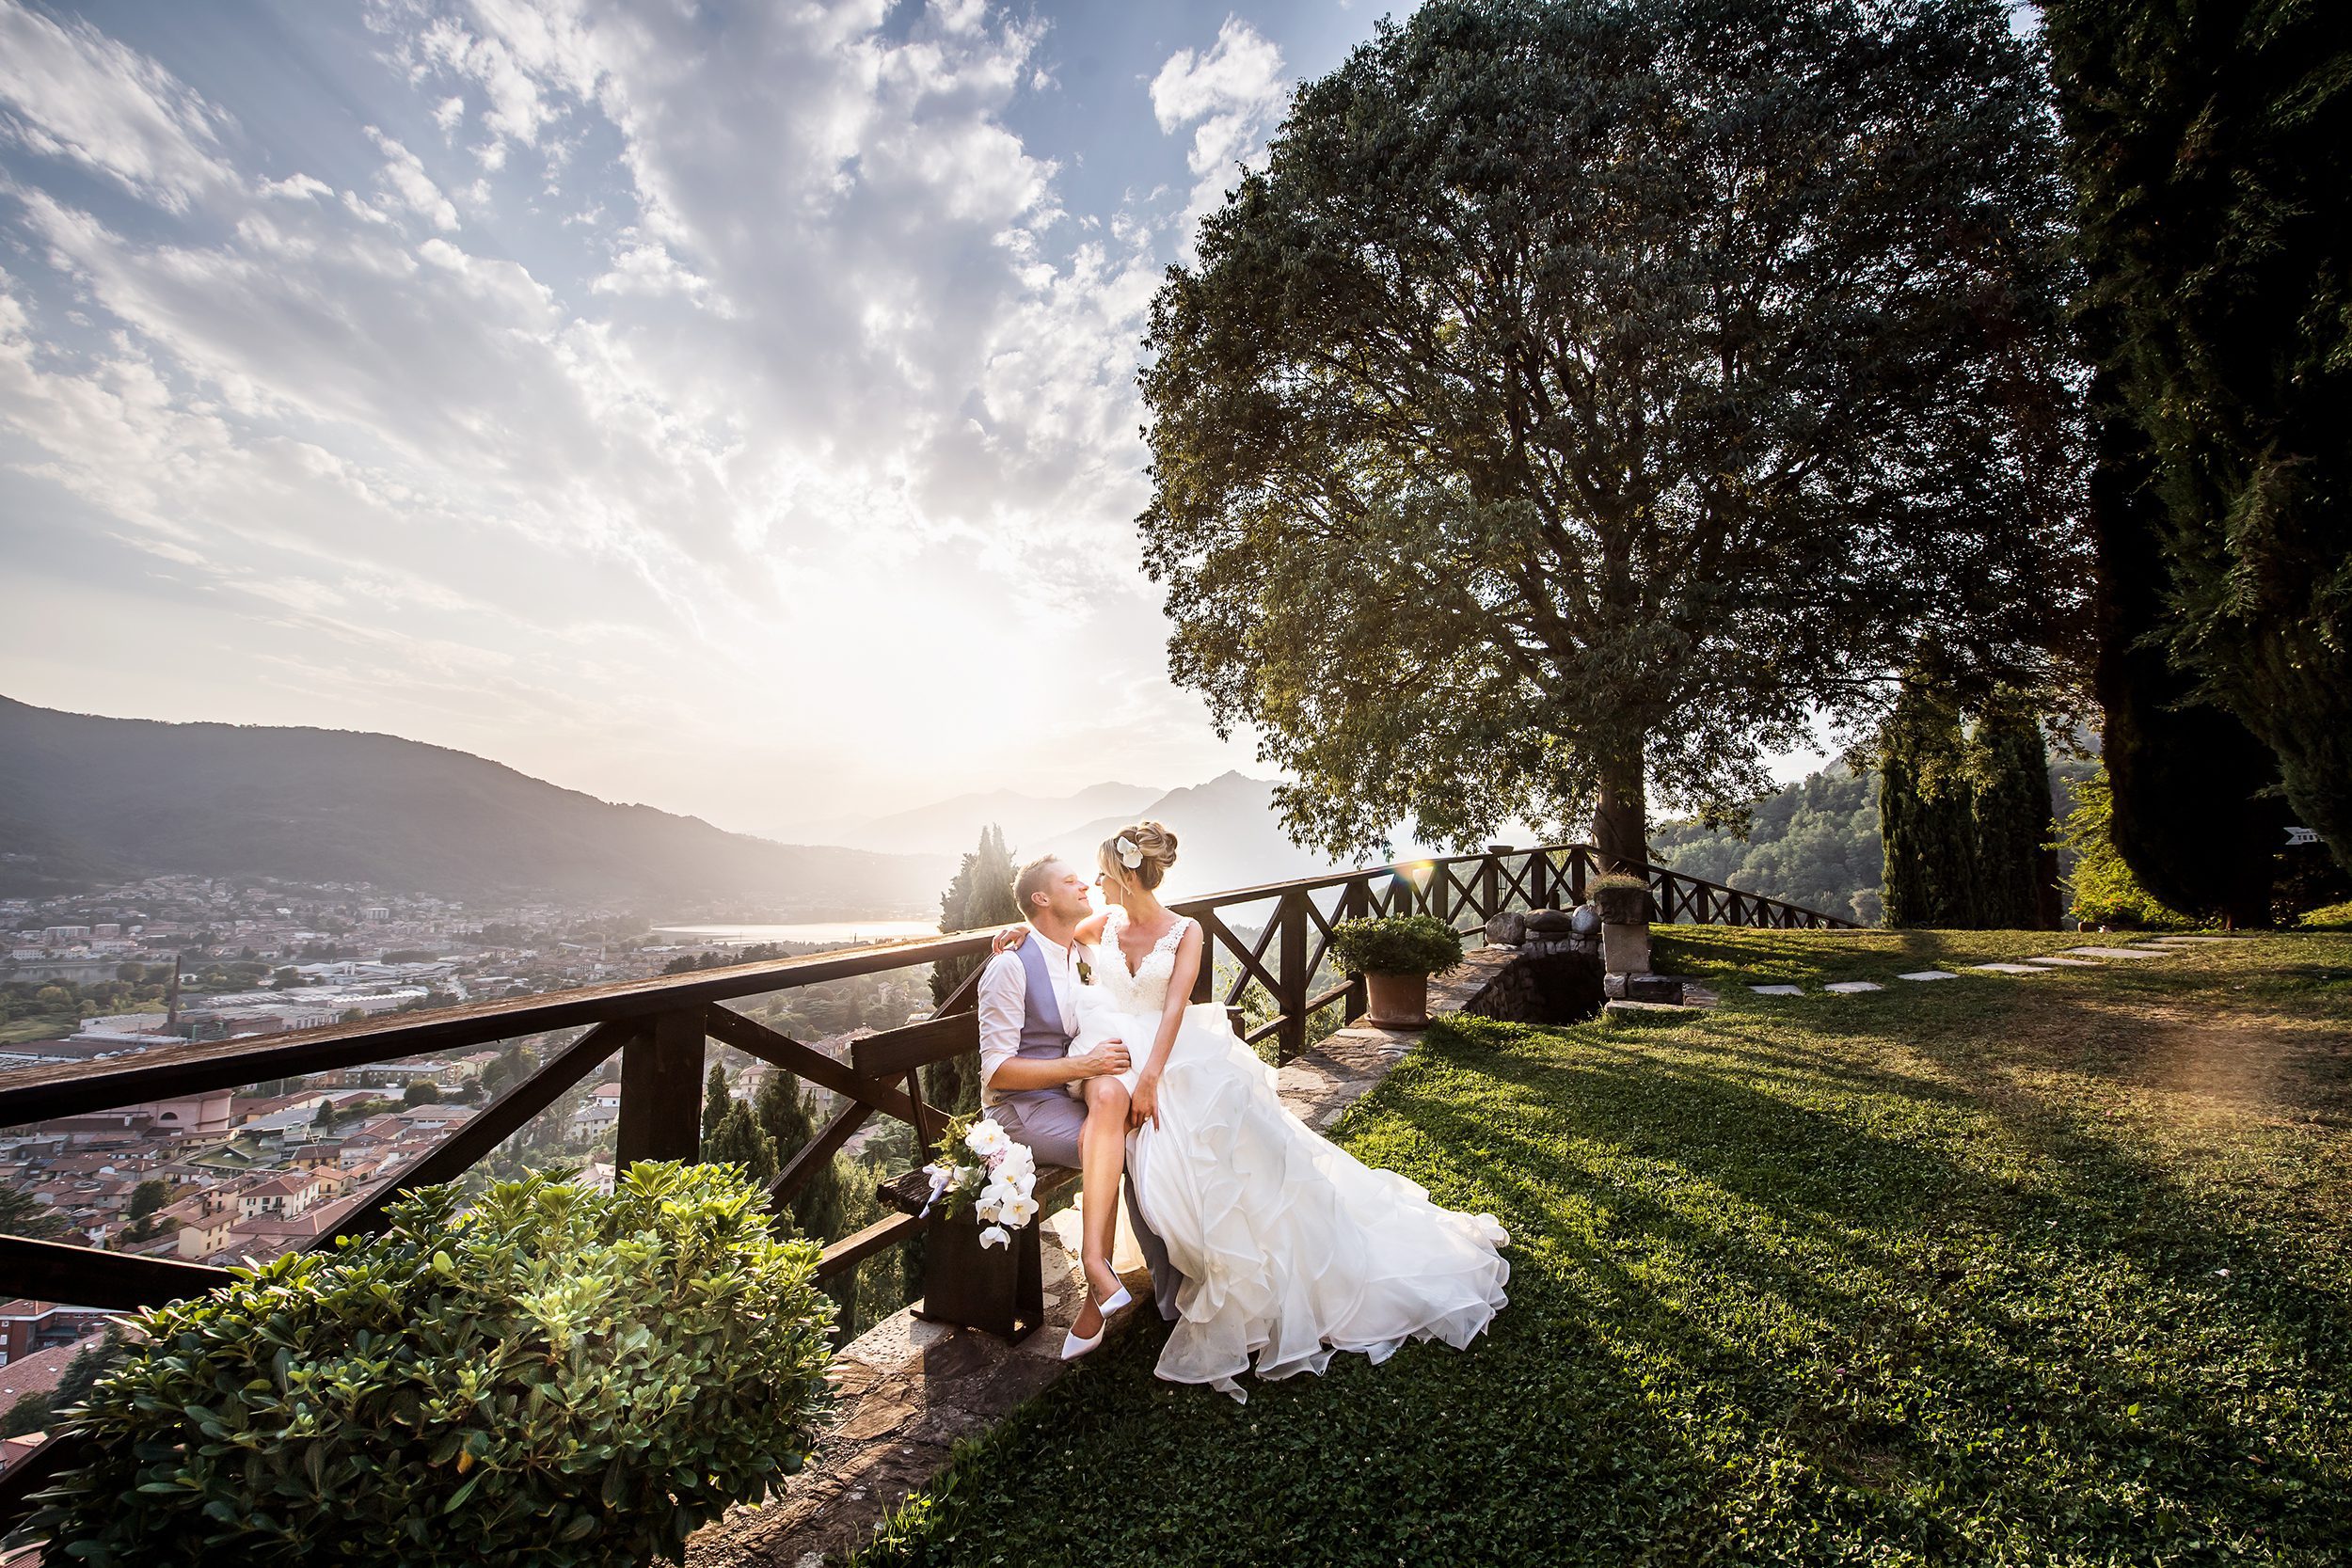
981	1170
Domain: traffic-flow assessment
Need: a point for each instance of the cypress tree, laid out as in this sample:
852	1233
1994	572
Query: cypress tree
2013	819
2211	145
1903	897
1927	812
738	1137
980	895
784	1114
2194	810
717	1098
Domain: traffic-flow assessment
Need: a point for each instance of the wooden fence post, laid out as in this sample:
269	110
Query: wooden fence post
661	1092
1292	973
1539	879
1356	904
1490	883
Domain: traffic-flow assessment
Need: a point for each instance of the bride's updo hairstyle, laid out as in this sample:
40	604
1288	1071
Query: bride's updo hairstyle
1150	841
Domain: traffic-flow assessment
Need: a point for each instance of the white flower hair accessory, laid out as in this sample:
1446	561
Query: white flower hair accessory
1130	852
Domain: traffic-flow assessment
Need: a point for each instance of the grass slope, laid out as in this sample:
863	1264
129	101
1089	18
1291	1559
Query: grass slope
2050	1270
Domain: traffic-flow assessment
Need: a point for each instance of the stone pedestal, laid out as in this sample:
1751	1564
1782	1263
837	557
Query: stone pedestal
1624	949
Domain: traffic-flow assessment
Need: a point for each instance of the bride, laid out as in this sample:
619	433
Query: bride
1290	1249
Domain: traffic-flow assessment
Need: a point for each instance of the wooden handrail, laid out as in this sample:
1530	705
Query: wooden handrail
660	1026
41	1093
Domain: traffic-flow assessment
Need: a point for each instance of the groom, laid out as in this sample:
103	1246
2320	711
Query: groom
1029	1010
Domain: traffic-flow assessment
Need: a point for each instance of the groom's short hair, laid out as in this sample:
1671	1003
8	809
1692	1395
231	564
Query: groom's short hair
1030	880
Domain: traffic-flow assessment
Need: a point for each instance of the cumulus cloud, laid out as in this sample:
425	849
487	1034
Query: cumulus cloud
656	354
1232	95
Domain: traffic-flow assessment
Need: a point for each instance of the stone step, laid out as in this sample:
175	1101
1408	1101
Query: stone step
2012	968
1847	988
1928	975
2117	952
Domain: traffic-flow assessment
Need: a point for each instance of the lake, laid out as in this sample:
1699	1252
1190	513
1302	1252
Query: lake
825	933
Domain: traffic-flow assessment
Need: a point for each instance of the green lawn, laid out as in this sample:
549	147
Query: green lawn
1985	1271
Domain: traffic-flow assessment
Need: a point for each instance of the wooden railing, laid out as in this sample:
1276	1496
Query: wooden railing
1272	939
1464	891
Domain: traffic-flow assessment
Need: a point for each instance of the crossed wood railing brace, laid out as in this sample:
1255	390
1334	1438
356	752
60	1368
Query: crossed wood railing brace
661	1028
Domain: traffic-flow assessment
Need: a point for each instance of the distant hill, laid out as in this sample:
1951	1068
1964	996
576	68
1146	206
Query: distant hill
1228	832
83	798
1814	843
953	827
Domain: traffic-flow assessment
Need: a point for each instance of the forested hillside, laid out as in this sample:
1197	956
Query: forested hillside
1815	843
83	798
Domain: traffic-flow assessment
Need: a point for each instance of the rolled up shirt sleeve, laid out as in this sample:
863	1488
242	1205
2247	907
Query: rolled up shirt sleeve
1003	1001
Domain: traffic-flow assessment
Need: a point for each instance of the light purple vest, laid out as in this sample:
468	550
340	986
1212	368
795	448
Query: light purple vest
1042	1031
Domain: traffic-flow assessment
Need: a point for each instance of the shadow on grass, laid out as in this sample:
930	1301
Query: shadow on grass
1802	1295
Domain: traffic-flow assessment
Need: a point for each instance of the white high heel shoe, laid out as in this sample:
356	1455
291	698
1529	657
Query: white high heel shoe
1074	1346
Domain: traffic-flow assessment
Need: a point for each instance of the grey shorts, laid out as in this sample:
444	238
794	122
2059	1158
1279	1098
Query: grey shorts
1048	1121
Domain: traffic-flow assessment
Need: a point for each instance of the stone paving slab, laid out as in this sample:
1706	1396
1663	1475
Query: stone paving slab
2064	963
2186	936
1848	987
1777	990
1928	975
2117	952
2012	968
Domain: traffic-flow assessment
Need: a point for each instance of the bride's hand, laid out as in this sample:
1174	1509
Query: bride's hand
1011	937
1143	1104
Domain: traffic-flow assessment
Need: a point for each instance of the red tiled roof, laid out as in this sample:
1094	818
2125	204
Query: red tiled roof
35	1373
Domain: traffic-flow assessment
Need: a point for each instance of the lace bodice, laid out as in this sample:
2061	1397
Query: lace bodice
1144	990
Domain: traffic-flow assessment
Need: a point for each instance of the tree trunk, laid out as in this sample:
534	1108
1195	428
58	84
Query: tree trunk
1621	817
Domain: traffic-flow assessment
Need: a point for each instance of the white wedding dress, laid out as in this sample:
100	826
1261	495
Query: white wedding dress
1290	1247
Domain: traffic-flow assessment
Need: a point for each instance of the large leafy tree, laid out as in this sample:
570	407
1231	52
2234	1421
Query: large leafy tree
1586	390
2211	141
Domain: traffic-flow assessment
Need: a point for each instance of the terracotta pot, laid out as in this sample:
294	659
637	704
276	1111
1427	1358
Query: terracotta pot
1397	1001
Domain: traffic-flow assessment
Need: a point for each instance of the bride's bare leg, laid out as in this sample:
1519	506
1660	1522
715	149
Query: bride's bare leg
1102	1157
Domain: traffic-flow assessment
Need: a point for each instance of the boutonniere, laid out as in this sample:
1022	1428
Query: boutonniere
1086	972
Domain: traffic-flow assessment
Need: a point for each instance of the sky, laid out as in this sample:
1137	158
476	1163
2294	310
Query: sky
718	403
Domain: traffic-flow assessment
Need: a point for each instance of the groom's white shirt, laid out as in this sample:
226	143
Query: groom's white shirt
1003	1002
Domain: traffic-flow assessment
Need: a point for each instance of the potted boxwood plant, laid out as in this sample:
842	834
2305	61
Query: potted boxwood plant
1622	900
1396	954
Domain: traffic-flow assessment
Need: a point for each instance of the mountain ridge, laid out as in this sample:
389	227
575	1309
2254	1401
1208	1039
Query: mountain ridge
85	798
953	826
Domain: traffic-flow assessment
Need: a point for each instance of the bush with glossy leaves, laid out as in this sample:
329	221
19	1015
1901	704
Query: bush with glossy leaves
551	1377
1396	944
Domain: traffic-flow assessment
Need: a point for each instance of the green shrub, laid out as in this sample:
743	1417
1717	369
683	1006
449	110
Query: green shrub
553	1377
1396	944
1608	879
2105	892
2335	917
